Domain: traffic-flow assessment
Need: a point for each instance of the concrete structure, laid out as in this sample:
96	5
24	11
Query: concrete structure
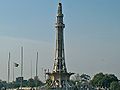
59	76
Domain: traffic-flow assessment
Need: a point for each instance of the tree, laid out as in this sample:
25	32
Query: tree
115	86
31	83
97	79
34	82
3	84
76	80
15	84
37	81
103	80
108	79
81	80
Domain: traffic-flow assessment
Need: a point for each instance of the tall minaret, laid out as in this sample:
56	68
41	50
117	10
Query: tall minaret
59	64
59	76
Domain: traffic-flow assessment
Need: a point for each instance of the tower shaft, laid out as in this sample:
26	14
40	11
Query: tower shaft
59	64
59	76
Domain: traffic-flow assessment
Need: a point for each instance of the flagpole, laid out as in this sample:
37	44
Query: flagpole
37	65
13	72
36	70
31	68
8	69
21	67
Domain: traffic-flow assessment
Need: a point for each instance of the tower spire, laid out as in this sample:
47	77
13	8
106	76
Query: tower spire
59	9
59	64
59	76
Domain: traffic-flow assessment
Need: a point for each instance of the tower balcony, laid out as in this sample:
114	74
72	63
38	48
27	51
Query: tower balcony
59	25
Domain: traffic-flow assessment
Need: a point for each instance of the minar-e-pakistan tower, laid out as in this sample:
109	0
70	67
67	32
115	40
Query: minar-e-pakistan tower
59	76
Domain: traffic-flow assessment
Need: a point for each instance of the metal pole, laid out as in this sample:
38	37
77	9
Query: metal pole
31	68
36	70
45	74
21	67
13	75
8	69
13	71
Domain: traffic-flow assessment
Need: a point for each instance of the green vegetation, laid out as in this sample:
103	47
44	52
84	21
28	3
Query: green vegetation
26	83
103	80
99	80
81	81
115	86
2	84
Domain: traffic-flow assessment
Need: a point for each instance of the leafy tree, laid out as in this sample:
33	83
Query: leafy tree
3	84
76	80
97	79
31	83
108	79
16	85
115	86
80	80
25	83
37	81
103	80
